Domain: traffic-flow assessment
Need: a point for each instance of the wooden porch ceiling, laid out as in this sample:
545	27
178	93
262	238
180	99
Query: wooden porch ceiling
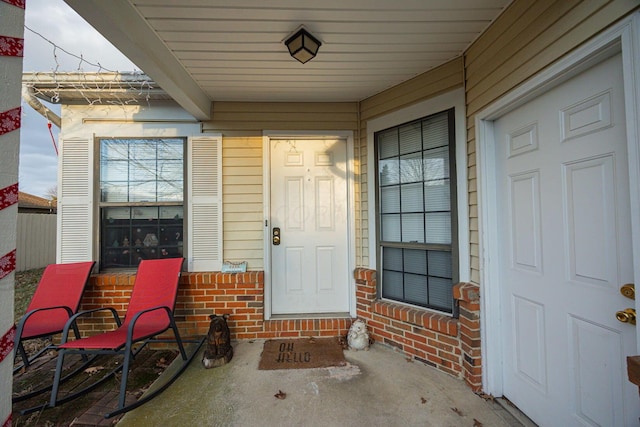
232	50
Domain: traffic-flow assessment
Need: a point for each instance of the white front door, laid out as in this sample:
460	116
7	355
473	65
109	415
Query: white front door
309	262
565	251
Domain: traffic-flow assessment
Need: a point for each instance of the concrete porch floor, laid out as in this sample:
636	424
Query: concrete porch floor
378	387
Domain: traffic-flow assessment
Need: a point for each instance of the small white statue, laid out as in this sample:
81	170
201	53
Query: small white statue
358	336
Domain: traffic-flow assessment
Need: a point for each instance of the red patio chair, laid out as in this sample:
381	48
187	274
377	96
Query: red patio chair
55	300
150	313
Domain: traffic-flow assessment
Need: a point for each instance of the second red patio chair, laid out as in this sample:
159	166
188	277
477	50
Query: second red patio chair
55	300
150	313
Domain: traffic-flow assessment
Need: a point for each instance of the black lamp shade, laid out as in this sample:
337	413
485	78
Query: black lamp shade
303	46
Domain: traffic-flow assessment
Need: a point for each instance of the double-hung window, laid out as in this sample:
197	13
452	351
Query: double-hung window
417	223
141	200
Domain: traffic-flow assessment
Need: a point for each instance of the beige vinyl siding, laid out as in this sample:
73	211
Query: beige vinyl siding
525	39
242	201
242	125
252	118
440	80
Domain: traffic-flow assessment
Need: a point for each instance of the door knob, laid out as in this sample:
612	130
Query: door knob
628	290
628	315
276	236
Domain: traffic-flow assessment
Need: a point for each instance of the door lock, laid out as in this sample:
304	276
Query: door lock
628	290
276	236
628	315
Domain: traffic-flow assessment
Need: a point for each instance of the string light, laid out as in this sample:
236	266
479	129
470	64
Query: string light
100	82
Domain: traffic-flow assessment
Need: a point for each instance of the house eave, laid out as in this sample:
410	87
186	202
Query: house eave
121	24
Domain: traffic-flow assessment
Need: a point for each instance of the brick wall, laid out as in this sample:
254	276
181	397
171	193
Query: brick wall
448	344
200	294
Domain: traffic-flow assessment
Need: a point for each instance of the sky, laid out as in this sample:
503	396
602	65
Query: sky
59	24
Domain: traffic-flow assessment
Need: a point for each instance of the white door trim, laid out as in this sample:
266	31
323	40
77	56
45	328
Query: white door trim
266	185
624	37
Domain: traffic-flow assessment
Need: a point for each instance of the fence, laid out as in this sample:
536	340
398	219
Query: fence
36	241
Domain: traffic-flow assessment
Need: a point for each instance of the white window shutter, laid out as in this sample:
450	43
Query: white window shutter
204	189
75	204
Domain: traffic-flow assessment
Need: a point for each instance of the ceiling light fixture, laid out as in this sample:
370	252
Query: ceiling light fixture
303	46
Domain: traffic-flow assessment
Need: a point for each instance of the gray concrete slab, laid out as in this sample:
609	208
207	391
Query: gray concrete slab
377	388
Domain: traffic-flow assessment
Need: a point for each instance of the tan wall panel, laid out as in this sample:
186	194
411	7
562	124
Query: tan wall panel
230	117
427	85
244	234
242	179
239	226
242	200
566	34
538	16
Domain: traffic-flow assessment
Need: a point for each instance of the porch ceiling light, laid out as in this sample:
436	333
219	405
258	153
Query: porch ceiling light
303	46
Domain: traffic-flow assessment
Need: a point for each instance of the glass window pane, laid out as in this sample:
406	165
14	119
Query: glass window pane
439	263
142	170
440	293
390	228
438	226
391	284
114	170
142	149
415	210
411	168
413	228
170	191
171	149
437	196
390	199
410	138
387	144
389	172
114	149
124	243
415	289
436	164
114	192
415	261
142	191
116	214
435	131
392	259
144	213
171	212
170	170
412	198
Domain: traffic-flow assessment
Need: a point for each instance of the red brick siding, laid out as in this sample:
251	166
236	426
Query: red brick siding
449	344
241	295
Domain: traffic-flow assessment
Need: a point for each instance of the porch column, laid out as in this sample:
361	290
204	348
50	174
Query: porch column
11	50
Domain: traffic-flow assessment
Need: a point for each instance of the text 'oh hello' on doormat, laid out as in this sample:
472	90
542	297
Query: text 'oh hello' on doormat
301	353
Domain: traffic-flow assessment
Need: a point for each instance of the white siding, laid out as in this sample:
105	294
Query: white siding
204	203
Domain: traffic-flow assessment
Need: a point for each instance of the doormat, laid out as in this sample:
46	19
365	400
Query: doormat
301	354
